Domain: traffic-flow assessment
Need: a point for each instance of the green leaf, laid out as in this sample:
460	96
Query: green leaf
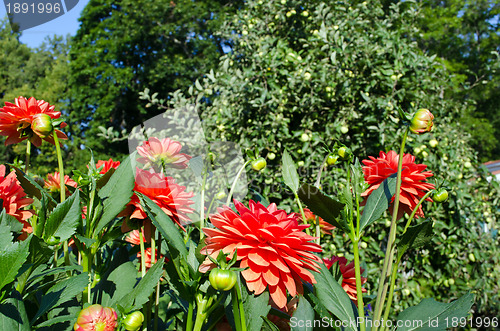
10	221
432	315
12	259
303	313
140	294
254	306
333	297
165	225
5	237
415	237
290	176
378	202
32	188
116	286
13	315
62	292
116	193
64	219
322	205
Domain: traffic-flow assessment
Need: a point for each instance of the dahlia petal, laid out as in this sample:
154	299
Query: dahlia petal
271	276
258	286
278	295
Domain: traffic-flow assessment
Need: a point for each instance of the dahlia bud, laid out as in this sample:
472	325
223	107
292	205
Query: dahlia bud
133	321
344	152
421	121
96	318
259	164
440	196
42	125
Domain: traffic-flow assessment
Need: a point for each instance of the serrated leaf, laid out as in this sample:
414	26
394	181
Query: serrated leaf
32	188
415	237
5	237
304	312
165	225
434	315
12	259
322	205
115	286
13	315
254	306
116	193
289	170
62	292
378	202
140	294
64	219
10	221
333	297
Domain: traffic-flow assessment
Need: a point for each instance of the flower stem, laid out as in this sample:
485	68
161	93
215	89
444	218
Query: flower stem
389	253
202	205
237	291
62	183
87	267
233	186
415	209
28	155
236	313
143	253
304	215
189	323
200	312
391	290
359	290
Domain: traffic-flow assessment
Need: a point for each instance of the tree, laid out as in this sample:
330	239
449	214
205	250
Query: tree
306	76
465	36
123	46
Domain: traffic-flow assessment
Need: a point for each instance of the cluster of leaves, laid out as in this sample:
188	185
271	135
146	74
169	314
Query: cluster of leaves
304	76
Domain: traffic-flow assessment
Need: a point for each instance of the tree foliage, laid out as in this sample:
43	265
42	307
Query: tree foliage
123	46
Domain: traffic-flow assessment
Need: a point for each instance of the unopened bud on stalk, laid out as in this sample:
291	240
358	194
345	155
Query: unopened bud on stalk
344	152
421	121
133	321
259	164
42	125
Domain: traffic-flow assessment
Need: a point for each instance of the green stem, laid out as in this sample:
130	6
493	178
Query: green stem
61	168
359	290
391	290
240	308
28	155
389	256
303	214
202	205
416	208
236	313
143	253
200	312
189	323
318	178
87	267
233	186
157	299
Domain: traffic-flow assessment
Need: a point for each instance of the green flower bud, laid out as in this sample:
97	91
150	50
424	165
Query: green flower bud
222	280
332	159
421	121
259	164
344	152
440	196
133	321
271	156
221	195
42	125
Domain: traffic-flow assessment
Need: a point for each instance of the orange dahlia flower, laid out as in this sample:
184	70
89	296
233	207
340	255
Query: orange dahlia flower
348	275
96	318
163	153
270	244
53	182
106	165
172	198
13	199
324	226
16	121
413	176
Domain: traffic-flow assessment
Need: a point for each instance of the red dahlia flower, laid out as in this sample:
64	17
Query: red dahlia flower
169	196
163	153
324	226
269	242
348	275
96	318
413	176
107	165
16	121
13	199
53	182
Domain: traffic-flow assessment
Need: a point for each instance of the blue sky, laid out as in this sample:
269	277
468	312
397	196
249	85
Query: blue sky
63	25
